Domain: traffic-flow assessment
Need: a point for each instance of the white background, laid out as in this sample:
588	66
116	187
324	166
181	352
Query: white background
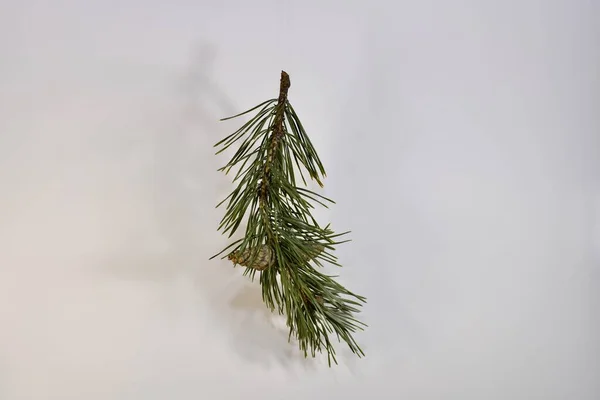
461	142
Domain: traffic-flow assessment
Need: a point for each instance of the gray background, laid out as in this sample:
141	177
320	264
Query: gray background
461	142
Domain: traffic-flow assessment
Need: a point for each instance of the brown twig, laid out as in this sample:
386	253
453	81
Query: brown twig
276	135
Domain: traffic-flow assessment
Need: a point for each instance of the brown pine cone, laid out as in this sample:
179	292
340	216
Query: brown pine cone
265	257
263	260
318	298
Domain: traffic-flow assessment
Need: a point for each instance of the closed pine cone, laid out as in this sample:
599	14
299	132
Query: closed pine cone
265	257
263	260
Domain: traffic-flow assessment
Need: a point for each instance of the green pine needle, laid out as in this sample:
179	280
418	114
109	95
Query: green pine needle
282	238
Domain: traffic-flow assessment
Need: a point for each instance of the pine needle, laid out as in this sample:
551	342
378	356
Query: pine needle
282	238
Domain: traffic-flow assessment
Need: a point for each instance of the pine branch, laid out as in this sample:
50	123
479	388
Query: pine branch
282	238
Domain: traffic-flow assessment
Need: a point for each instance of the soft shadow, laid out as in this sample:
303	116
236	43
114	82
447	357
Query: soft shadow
185	187
261	336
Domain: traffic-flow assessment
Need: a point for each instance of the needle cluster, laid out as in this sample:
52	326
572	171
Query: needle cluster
282	239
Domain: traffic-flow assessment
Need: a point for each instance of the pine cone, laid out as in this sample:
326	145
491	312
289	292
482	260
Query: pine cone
317	249
263	260
265	257
318	298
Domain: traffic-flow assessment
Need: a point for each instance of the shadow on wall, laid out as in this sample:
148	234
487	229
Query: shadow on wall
182	183
186	186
